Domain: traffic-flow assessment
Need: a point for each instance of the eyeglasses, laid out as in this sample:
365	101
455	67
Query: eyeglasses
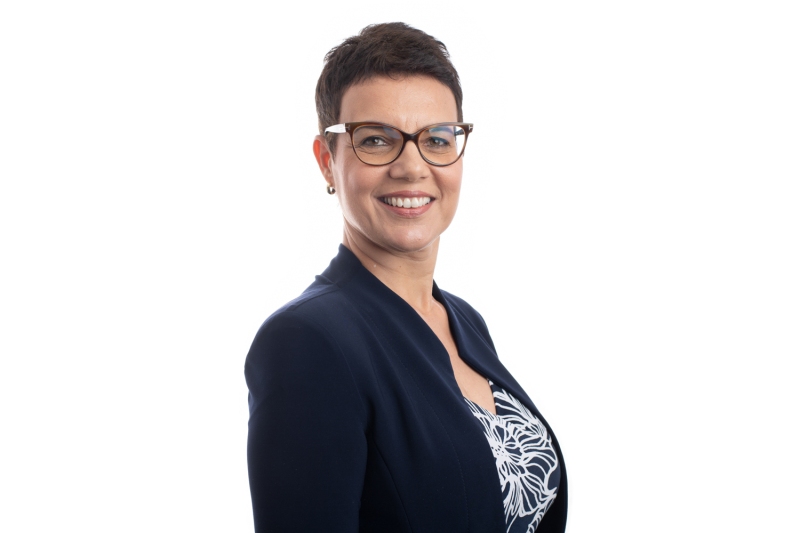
380	144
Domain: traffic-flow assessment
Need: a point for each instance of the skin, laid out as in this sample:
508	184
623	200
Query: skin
400	249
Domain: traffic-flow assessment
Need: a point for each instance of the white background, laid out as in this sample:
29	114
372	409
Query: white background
636	258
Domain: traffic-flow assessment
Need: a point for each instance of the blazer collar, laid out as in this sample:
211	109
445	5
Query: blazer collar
474	346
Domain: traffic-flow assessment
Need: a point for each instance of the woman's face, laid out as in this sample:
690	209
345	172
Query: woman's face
408	104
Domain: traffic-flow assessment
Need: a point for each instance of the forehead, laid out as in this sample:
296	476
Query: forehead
409	103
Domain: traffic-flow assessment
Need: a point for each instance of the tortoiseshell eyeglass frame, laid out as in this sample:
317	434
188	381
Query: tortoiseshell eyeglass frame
350	128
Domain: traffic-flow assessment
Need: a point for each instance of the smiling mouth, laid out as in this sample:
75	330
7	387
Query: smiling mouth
407	203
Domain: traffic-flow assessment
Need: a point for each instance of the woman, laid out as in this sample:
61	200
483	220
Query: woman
377	401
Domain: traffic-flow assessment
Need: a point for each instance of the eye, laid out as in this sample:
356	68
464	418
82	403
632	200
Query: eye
373	140
440	141
437	142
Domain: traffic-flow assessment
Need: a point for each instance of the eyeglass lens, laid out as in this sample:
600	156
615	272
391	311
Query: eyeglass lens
378	145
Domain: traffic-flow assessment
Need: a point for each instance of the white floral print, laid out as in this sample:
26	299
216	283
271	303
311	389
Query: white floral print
525	459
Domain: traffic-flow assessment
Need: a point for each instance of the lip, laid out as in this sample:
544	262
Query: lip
410	212
407	194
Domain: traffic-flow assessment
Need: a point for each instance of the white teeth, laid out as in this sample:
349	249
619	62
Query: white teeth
408	203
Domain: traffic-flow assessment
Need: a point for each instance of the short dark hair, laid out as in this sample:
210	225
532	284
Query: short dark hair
393	49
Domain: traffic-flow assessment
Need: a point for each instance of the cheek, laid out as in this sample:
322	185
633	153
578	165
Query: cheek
452	182
452	186
355	189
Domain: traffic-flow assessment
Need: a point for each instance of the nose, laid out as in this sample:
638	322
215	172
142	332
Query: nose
409	165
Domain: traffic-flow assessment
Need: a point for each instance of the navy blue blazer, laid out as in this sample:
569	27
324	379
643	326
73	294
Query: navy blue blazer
357	422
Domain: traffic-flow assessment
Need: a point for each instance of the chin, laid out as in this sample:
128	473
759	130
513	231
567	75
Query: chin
410	244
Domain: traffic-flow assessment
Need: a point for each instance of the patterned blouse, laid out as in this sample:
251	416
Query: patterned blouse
526	461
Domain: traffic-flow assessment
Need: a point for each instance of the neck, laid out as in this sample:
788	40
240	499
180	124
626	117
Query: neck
408	274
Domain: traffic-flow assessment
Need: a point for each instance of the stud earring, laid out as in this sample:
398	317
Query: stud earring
331	190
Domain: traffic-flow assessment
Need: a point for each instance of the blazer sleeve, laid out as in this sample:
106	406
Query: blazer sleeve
306	446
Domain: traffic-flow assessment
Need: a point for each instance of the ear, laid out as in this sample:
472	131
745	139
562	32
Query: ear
324	159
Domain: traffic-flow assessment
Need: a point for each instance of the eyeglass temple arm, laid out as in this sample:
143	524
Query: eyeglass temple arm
336	128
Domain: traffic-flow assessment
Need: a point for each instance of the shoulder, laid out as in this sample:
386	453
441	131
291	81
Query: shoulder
297	348
311	311
300	323
305	336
